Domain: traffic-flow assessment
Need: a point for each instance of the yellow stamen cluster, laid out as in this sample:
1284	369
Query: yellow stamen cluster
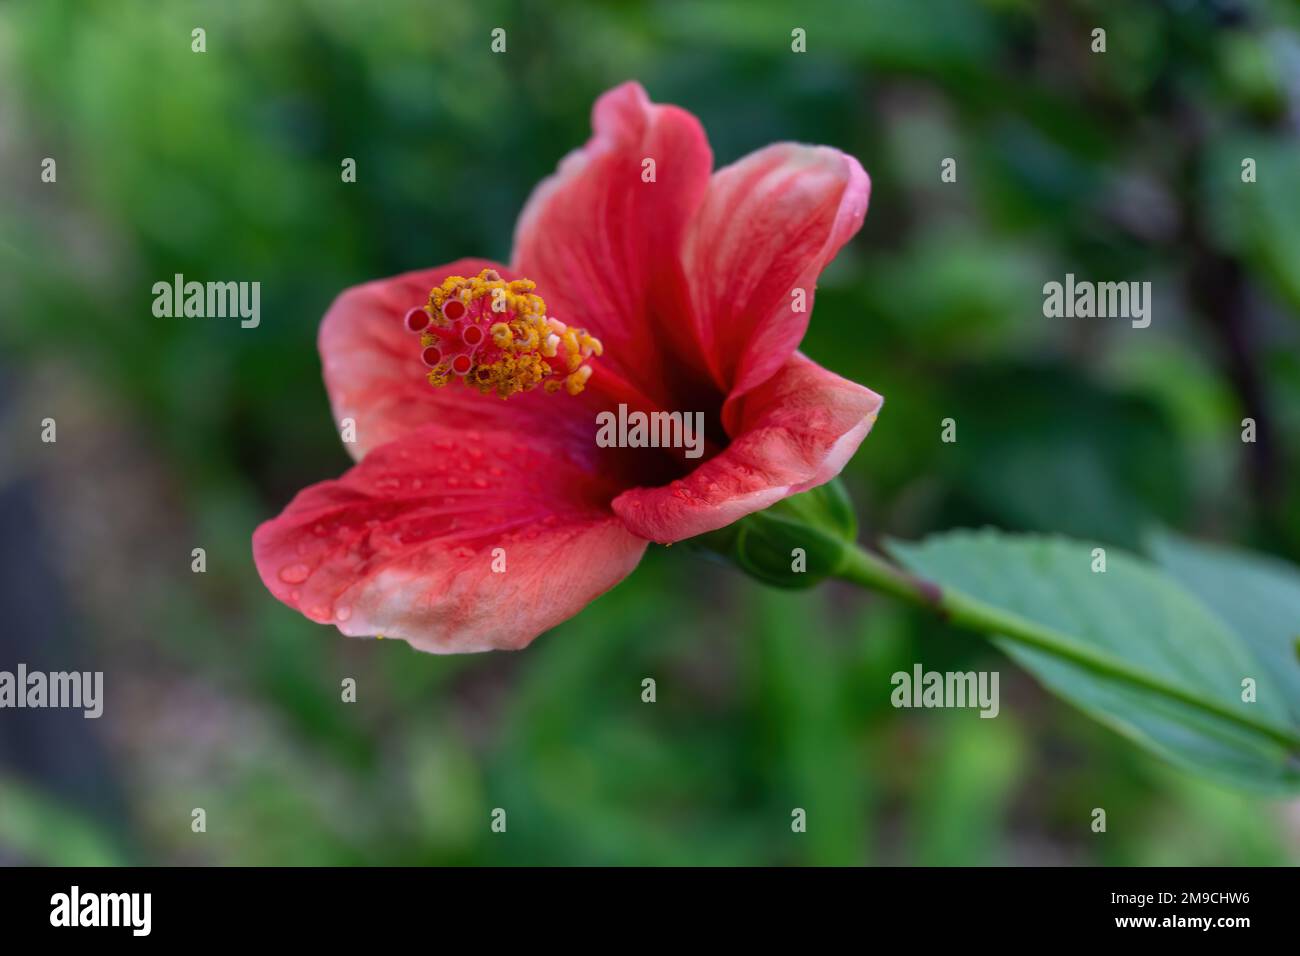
520	347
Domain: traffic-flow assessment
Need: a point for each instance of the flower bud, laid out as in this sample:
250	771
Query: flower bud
796	543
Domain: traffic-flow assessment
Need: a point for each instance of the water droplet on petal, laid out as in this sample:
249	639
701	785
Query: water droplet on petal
294	573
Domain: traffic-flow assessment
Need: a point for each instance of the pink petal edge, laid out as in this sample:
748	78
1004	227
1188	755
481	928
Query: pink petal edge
769	224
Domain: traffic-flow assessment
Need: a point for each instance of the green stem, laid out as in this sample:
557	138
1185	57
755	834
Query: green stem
871	571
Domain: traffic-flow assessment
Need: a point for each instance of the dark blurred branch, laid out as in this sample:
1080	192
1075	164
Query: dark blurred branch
1220	292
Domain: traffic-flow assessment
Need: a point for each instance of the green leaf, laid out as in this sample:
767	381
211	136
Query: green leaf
1140	618
1258	597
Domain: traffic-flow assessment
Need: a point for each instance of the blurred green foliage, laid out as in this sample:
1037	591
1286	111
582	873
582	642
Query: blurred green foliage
1123	165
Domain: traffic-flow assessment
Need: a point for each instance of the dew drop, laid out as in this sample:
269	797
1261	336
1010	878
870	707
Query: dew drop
294	573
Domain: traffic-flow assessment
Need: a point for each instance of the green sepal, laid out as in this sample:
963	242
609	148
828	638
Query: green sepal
798	542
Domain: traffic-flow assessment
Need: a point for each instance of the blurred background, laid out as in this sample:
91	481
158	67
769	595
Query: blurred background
182	433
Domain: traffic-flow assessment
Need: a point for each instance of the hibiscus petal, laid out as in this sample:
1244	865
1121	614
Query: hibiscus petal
602	243
404	544
769	224
795	431
371	363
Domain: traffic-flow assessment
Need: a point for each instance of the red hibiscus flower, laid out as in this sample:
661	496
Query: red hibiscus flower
640	278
